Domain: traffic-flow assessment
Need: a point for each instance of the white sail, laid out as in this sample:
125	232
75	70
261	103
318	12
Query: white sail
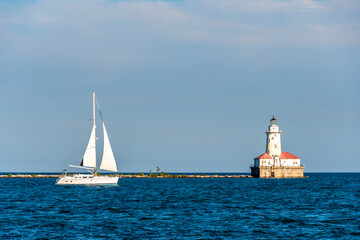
108	160
89	158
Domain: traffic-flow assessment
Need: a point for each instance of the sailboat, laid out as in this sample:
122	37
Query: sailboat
89	160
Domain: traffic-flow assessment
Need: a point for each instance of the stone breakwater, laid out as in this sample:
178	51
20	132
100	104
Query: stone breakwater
134	176
28	176
187	176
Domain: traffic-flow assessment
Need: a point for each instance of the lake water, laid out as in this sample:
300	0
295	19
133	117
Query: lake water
323	206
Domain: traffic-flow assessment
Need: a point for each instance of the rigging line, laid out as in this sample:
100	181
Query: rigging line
97	103
90	121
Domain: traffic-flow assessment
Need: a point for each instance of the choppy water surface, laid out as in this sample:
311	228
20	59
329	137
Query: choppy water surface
321	206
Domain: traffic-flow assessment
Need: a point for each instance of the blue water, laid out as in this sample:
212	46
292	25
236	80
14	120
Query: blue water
323	206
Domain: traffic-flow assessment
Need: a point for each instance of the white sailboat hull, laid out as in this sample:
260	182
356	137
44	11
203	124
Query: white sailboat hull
86	179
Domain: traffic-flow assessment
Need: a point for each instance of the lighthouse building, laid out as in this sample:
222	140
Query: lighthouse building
274	163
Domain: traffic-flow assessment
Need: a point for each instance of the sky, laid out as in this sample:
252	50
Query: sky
189	86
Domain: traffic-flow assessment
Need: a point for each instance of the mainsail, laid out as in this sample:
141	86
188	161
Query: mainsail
89	158
108	160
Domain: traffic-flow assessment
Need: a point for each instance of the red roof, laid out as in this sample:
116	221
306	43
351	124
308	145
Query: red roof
286	155
264	156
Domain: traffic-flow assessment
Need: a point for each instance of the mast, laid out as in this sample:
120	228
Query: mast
94	126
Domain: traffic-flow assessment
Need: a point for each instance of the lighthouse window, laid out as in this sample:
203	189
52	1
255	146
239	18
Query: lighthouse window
275	146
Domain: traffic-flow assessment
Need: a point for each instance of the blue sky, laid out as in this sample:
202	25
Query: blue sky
189	86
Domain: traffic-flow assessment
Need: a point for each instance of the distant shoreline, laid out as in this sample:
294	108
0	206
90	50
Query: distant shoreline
147	175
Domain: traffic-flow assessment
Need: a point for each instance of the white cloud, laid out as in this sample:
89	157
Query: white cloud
271	5
125	33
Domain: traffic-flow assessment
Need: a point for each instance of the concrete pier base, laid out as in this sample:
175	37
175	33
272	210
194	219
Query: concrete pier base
277	172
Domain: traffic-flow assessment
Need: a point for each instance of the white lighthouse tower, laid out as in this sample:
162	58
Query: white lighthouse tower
274	163
273	141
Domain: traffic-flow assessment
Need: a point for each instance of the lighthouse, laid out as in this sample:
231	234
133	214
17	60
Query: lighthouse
274	163
273	139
